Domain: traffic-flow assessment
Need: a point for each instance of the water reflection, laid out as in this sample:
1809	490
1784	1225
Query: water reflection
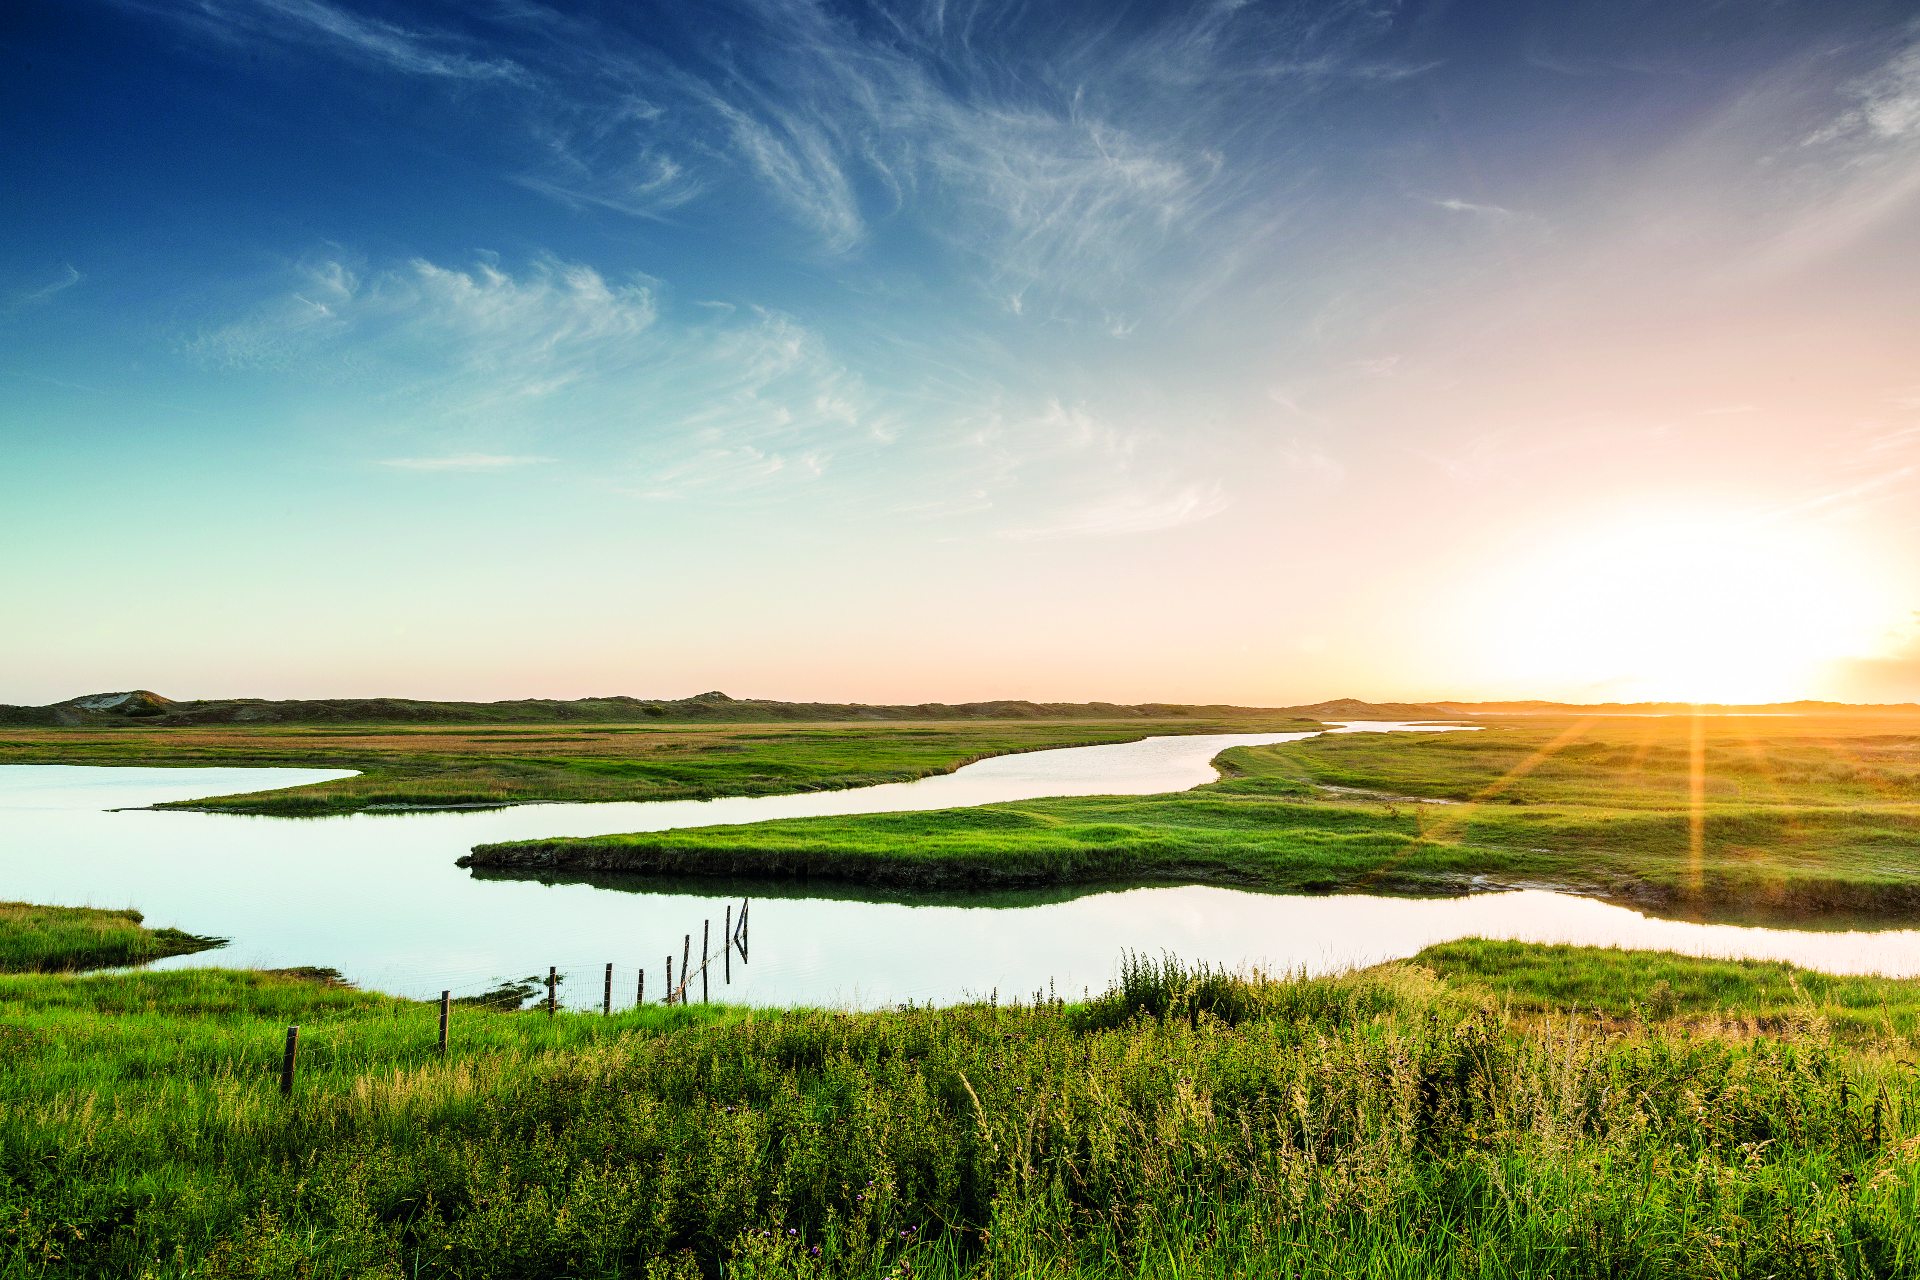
378	896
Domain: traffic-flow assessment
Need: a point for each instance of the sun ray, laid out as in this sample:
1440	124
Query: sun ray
1696	805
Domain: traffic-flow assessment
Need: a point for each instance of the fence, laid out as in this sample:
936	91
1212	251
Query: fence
733	937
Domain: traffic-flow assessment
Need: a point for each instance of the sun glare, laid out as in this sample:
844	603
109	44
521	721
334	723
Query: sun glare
1687	608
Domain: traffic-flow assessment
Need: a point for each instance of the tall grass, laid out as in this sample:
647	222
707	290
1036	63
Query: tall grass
1184	1122
37	939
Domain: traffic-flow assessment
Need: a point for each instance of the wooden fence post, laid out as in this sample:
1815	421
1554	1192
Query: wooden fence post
668	998
726	948
287	1061
640	990
686	968
553	980
706	937
446	1006
606	1000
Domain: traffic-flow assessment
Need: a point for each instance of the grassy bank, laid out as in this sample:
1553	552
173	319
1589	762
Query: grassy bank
1740	996
36	939
1388	1123
445	766
1747	816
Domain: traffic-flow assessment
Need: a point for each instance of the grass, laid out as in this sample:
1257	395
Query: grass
477	765
1742	995
36	939
1395	1122
1736	816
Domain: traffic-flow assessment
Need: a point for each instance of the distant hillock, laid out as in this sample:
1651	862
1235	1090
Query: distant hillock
1356	709
144	707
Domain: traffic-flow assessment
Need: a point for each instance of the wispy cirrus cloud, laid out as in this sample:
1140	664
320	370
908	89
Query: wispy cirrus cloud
1496	212
552	353
1053	156
1130	512
539	330
68	277
340	30
466	462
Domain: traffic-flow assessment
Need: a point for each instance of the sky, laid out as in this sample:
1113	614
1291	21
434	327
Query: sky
1227	351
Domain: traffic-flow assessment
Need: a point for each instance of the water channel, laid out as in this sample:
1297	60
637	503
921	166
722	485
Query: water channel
378	897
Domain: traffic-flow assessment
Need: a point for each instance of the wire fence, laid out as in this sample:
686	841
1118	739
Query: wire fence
514	994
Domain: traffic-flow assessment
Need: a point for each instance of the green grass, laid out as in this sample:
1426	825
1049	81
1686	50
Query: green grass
1754	995
452	766
36	939
1387	1123
1794	819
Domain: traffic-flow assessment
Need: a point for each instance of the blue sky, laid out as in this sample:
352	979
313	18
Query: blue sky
1243	351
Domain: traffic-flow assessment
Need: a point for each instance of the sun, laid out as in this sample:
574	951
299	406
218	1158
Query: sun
1686	607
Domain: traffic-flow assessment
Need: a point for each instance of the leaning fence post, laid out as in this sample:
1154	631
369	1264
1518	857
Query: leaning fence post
287	1061
446	1006
606	1001
686	968
553	980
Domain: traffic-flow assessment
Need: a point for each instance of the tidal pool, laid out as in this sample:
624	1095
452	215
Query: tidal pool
378	896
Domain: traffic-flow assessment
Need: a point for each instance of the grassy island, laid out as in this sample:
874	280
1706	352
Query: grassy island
1759	816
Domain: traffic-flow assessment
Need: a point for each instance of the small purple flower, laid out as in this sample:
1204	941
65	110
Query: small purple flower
793	1231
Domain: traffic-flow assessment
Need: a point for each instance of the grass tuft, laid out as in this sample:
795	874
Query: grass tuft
36	939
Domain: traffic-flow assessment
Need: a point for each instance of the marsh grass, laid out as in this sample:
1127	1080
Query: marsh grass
37	939
1755	995
460	766
1185	1122
1798	820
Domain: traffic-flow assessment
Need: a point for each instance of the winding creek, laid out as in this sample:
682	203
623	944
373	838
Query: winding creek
378	896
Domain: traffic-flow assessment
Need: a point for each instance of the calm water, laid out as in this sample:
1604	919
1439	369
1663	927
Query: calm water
378	897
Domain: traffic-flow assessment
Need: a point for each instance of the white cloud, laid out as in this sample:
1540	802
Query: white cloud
713	402
338	30
798	162
1054	157
1455	205
536	332
730	471
69	277
1142	511
465	462
1886	104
